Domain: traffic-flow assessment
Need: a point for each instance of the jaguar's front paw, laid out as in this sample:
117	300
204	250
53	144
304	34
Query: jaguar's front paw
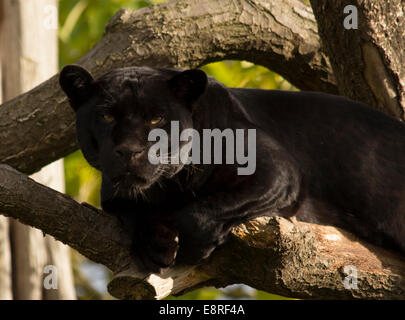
156	246
197	246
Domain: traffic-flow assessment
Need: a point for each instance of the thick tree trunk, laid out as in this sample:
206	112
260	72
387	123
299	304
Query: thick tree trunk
38	127
276	255
369	62
29	56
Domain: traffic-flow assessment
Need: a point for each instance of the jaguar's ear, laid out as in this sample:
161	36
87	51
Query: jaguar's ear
76	82
189	85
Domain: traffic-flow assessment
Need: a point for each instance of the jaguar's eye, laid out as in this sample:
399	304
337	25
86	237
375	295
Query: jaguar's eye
109	118
156	120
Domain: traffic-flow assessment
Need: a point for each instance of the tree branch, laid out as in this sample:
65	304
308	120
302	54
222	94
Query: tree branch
369	62
81	227
38	127
285	257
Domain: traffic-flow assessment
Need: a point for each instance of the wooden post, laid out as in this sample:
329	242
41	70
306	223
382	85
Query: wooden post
6	292
29	57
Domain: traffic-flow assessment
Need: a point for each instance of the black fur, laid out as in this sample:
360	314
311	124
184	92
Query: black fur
323	158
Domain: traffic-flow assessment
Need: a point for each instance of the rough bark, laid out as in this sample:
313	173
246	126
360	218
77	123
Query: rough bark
58	215
285	257
38	127
369	62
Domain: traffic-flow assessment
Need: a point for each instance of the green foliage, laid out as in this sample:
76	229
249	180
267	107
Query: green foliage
246	74
82	24
240	292
200	294
261	295
82	180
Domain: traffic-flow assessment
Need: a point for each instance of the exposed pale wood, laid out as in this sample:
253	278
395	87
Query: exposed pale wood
285	257
132	284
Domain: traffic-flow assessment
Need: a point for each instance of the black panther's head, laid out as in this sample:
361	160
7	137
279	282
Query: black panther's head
115	113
